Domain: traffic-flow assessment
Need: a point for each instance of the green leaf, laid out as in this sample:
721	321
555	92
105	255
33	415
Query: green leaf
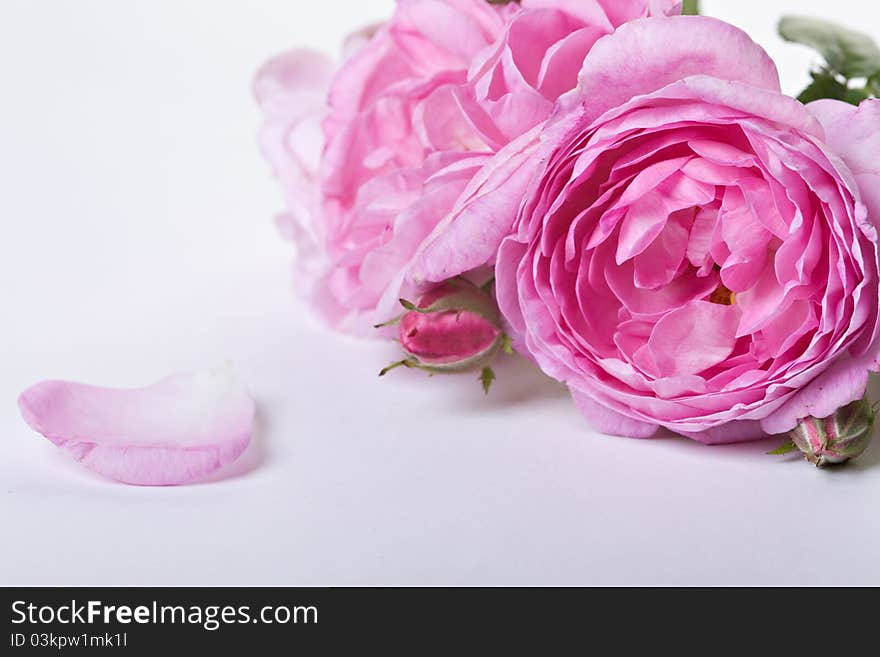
487	376
506	344
785	448
691	8
856	96
848	52
824	85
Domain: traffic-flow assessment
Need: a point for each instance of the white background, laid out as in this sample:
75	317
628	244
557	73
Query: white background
137	240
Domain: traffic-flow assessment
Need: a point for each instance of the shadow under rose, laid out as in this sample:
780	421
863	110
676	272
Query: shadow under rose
518	380
750	448
867	461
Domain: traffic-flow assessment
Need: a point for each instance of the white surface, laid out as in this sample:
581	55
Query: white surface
137	241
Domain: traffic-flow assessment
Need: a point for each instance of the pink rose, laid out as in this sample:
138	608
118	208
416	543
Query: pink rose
406	153
698	251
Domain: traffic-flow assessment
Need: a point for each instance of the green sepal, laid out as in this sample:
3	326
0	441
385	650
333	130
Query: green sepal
406	362
785	448
390	322
506	344
487	377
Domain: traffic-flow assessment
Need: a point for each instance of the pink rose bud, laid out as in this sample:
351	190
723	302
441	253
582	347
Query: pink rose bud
837	438
455	327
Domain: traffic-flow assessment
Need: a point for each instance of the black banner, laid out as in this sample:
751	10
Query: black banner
412	621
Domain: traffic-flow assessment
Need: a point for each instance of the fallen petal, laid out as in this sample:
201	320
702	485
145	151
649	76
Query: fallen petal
174	431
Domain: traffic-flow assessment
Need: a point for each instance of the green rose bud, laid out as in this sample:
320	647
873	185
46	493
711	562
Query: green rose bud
837	438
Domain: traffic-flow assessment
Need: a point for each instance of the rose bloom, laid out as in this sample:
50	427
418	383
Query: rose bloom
402	159
698	250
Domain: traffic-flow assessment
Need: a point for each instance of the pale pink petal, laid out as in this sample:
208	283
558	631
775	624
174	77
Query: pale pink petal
278	85
609	13
853	134
657	265
693	338
738	431
291	90
510	256
450	32
610	422
174	431
664	7
518	112
622	11
646	55
590	12
563	62
470	235
356	40
444	126
843	382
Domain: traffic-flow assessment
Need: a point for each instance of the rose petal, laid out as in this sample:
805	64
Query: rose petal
738	431
291	90
646	55
844	382
179	429
693	338
610	422
851	132
465	239
284	82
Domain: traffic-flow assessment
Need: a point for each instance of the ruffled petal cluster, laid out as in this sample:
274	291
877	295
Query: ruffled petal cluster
407	168
698	250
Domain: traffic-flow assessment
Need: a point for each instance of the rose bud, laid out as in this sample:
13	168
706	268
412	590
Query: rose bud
837	438
455	327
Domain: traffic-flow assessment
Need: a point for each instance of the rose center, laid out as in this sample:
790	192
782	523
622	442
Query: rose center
723	296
